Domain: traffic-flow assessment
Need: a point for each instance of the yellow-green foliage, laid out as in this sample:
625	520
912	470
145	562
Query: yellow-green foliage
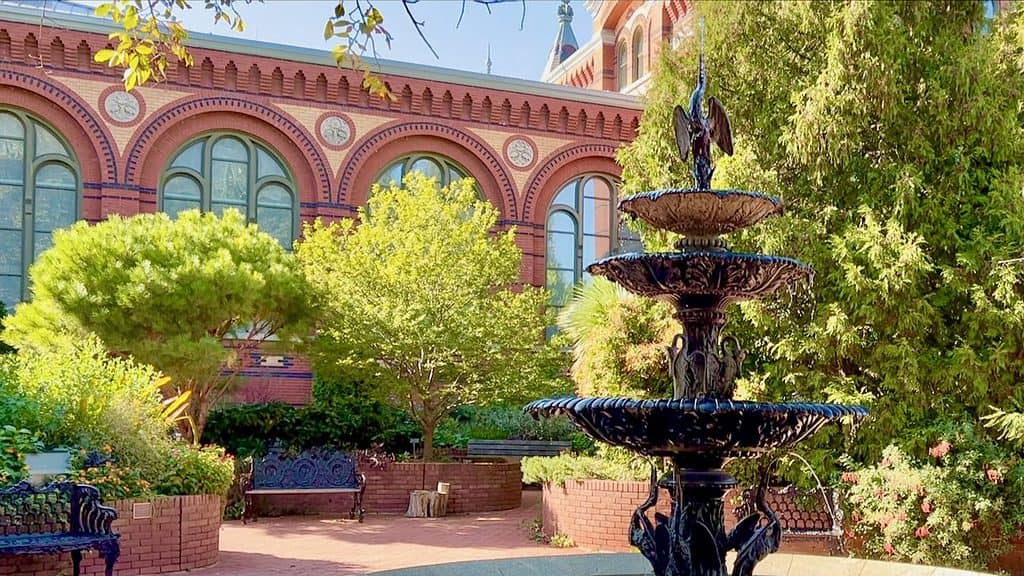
421	297
166	292
609	463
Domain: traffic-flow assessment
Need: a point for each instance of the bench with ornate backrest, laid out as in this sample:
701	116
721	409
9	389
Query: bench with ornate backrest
516	448
315	471
60	517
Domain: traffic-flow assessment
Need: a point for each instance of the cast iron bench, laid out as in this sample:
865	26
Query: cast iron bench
60	517
516	448
315	471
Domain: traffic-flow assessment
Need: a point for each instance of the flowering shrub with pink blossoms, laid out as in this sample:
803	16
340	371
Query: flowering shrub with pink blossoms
959	507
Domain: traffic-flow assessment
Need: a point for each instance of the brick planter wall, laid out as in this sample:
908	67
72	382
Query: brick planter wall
1012	560
183	533
596	515
475	487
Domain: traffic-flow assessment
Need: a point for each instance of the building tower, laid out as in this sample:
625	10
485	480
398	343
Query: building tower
565	42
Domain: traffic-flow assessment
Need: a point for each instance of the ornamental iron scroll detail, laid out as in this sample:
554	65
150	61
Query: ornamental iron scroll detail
315	468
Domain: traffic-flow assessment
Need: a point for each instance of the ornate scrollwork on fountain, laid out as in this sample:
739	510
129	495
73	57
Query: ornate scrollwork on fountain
730	276
702	373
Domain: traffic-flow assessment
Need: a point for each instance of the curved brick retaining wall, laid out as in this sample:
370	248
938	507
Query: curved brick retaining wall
181	533
596	515
475	487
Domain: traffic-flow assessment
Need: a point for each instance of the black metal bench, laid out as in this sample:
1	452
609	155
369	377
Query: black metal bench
516	448
316	471
60	517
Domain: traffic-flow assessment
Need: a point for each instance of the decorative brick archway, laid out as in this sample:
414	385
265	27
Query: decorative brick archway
376	150
58	107
561	167
172	127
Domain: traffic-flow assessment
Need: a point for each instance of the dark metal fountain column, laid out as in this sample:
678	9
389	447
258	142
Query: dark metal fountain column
701	428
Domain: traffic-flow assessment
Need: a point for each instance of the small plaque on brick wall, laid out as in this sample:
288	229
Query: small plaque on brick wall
142	510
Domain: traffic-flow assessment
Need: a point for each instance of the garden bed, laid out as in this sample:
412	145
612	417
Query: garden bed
160	535
475	487
596	514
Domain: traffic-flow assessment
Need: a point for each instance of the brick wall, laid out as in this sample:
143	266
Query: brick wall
596	515
475	487
1011	561
182	533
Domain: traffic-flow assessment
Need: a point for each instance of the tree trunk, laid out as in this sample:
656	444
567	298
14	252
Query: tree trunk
191	427
428	441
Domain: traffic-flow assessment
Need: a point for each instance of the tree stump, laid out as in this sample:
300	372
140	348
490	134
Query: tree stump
427	504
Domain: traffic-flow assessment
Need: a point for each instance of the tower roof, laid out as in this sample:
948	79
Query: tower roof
565	41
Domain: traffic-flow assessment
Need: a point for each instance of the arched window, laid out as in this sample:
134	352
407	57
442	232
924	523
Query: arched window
638	54
222	171
582	226
622	66
39	190
442	169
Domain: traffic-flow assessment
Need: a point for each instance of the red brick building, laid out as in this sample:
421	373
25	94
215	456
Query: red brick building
284	136
624	43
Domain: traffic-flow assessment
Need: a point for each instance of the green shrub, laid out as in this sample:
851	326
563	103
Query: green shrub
195	470
609	464
956	508
502	422
246	429
114	480
14	444
343	414
75	395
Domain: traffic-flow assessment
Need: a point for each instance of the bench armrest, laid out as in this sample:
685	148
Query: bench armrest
88	516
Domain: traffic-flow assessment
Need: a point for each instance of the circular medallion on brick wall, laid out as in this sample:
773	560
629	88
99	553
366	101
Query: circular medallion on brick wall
520	152
122	107
335	131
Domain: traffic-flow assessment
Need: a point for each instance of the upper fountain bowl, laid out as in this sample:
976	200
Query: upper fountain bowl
701	213
690	426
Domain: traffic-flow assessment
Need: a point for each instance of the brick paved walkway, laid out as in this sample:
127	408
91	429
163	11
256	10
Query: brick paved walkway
311	545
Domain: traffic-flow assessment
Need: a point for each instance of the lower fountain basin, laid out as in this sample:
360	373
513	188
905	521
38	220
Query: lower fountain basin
630	564
706	426
729	276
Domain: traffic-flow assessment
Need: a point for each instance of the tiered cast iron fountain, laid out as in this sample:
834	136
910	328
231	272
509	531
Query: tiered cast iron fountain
701	427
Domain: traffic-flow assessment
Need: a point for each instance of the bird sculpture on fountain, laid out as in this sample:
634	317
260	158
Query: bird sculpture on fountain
696	131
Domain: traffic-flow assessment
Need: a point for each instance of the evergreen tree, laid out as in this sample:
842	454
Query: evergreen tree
892	131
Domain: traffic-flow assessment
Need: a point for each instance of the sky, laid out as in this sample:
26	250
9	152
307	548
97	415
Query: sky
515	52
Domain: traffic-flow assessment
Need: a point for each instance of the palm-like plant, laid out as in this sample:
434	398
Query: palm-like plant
618	341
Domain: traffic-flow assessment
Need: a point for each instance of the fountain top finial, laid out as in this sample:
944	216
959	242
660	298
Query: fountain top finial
695	130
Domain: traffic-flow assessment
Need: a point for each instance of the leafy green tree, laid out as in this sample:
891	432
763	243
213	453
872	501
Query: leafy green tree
168	293
421	298
893	132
